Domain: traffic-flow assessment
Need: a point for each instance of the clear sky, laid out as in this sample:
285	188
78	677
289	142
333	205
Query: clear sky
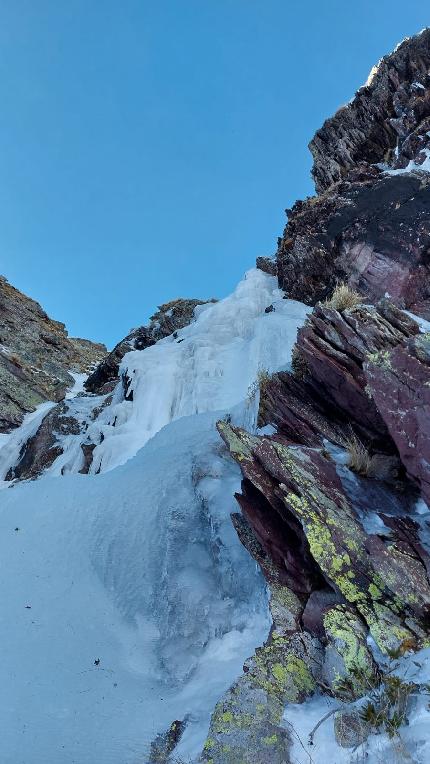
148	148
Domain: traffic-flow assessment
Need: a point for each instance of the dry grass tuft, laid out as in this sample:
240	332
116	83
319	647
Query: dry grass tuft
359	458
259	384
299	364
343	297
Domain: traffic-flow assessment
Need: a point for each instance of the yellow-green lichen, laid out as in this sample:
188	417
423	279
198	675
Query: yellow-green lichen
270	740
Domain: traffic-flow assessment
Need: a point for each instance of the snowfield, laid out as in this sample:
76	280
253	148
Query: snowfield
139	569
127	599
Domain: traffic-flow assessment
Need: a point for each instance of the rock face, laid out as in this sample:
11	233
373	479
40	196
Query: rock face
170	317
387	120
36	356
399	382
343	551
328	394
379	582
370	223
342	555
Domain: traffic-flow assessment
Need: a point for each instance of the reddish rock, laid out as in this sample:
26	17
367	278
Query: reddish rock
373	234
297	508
327	393
400	385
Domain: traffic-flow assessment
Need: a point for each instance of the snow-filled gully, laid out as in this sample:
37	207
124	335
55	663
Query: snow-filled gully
127	599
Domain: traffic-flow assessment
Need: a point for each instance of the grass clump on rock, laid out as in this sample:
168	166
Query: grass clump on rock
359	459
343	297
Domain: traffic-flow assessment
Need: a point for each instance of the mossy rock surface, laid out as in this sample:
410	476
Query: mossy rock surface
246	728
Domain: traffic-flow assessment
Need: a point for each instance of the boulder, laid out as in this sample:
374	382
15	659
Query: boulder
349	728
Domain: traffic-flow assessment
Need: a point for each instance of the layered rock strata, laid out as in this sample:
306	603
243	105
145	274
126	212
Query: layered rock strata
36	357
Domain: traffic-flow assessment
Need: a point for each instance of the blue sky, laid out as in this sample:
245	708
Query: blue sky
148	148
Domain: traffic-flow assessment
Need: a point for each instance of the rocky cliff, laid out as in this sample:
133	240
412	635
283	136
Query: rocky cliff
37	357
369	225
331	500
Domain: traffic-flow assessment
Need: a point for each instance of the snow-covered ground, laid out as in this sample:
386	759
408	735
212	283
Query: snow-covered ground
411	747
127	599
138	568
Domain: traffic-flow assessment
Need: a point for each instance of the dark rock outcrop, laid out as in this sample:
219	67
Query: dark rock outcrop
165	743
388	120
41	450
368	227
170	318
36	356
267	265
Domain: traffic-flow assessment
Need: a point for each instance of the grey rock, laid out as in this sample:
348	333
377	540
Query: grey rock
246	727
349	728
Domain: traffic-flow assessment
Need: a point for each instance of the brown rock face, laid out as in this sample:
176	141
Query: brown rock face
366	227
170	317
36	356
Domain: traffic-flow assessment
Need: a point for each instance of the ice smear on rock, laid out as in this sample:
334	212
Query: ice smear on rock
12	443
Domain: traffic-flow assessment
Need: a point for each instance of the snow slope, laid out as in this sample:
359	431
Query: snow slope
139	567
